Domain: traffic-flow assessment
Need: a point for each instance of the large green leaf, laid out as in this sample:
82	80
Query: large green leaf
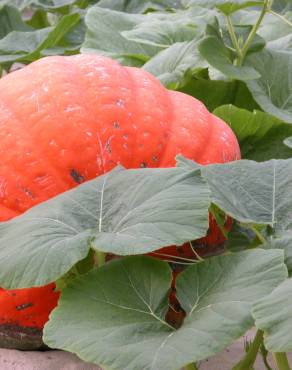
162	39
161	33
28	46
49	5
104	35
220	57
122	212
273	28
214	93
250	191
273	90
273	315
261	136
126	301
10	20
165	29
284	43
282	6
172	64
138	6
229	7
282	240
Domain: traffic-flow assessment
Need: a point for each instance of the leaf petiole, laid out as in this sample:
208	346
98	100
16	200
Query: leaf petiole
191	366
249	359
266	7
280	17
258	235
281	361
233	38
100	258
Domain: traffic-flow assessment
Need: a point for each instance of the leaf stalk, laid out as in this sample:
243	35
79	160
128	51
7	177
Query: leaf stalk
241	52
266	7
191	366
249	359
100	258
281	361
233	38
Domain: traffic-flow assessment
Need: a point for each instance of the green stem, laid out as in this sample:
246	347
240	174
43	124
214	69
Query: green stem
100	257
249	359
233	38
266	7
281	361
281	17
258	235
191	366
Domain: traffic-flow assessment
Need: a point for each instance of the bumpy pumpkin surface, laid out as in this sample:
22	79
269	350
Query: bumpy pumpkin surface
65	120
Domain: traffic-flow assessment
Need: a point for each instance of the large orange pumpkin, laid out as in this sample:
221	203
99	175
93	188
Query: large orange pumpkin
65	120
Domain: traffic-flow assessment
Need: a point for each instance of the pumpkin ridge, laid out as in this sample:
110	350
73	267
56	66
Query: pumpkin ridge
208	140
37	154
161	130
89	109
134	98
35	142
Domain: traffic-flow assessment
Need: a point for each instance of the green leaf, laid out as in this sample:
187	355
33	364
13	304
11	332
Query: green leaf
104	35
10	20
28	46
216	93
239	238
126	302
49	5
172	65
282	240
230	7
281	6
273	315
39	19
219	57
138	6
122	212
273	90
283	43
136	37
261	136
273	28
288	142
251	192
161	34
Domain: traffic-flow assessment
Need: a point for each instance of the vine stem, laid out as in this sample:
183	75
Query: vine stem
258	235
281	361
266	7
251	355
100	257
191	366
233	38
281	17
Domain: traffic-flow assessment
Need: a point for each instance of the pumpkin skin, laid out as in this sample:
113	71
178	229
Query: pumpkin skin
65	120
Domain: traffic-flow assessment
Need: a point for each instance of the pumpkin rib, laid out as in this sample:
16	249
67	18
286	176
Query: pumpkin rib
88	109
189	132
22	174
163	102
58	175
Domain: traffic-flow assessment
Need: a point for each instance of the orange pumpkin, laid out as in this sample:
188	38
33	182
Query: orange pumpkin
65	120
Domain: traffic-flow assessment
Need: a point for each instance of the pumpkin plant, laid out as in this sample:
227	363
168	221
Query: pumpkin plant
131	232
121	116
